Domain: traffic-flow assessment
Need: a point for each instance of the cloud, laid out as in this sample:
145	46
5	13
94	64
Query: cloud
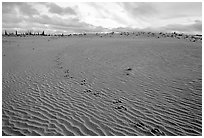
53	24
22	7
7	7
139	9
179	9
125	29
195	27
93	17
55	20
54	8
69	25
27	9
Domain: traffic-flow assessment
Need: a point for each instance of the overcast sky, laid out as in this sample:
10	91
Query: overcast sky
102	17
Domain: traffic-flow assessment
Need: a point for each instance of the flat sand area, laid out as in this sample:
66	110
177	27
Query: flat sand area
101	86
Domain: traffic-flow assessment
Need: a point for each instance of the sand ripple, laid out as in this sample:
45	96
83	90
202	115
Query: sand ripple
96	94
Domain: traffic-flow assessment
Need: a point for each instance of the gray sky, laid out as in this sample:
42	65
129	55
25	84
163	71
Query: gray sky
102	17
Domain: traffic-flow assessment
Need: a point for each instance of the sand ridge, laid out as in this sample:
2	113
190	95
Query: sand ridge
101	86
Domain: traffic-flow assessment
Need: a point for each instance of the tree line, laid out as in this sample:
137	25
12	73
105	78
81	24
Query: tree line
28	33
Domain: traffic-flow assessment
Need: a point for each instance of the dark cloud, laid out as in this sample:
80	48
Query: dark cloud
196	27
64	25
124	29
24	8
80	28
139	9
54	8
9	18
180	9
7	7
55	20
27	9
26	16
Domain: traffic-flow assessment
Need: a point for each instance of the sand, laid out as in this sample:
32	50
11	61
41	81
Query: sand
101	86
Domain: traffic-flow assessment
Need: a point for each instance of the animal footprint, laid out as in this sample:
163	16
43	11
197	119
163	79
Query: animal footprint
87	91
154	131
139	124
67	71
117	101
157	132
97	94
66	76
121	108
83	82
128	70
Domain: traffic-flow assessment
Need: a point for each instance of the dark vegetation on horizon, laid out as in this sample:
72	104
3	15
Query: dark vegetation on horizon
28	33
192	38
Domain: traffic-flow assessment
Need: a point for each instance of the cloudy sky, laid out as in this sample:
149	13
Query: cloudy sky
102	17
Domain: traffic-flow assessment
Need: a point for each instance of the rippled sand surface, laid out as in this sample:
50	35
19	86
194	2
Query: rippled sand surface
101	86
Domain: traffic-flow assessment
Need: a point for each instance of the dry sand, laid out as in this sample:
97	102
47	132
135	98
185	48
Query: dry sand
101	86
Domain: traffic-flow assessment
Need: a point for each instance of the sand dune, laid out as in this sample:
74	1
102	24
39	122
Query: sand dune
101	86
